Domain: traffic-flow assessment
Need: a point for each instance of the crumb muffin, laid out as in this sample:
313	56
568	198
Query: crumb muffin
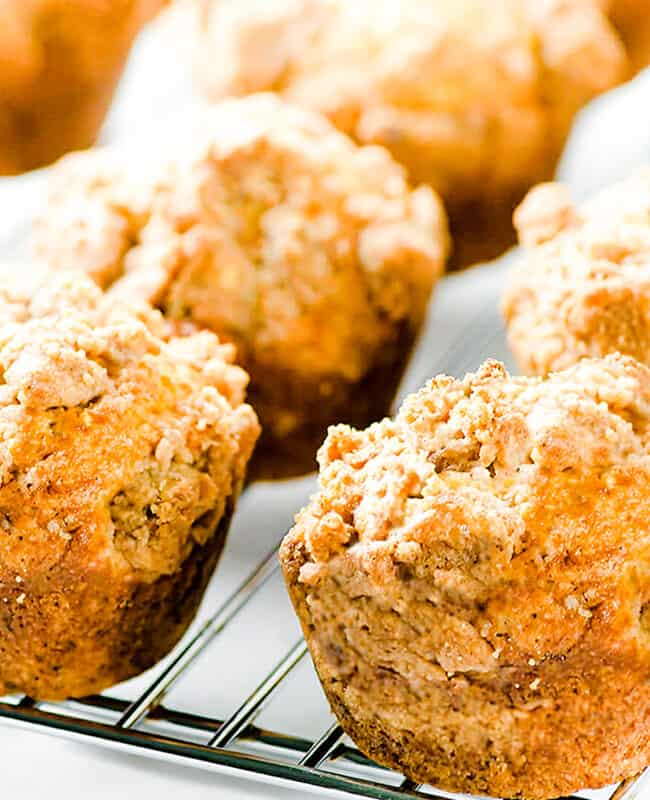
474	97
122	452
583	285
311	254
59	63
473	580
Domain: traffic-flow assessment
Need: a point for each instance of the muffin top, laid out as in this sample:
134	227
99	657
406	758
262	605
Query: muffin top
120	445
521	503
268	226
582	287
466	94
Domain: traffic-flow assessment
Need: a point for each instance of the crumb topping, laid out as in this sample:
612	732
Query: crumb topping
97	399
498	499
271	228
582	287
484	441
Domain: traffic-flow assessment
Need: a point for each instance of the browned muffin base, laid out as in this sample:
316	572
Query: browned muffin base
89	635
470	773
525	760
323	403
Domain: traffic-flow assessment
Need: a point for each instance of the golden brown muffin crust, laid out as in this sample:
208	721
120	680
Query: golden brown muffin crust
121	454
583	285
309	253
472	579
474	97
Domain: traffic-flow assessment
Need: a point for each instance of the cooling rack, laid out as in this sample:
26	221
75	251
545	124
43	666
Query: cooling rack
154	718
234	745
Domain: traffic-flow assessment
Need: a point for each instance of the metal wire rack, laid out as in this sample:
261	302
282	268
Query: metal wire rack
153	724
235	745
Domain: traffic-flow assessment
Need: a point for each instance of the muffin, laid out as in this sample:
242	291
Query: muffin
632	19
311	254
60	61
582	287
473	580
475	97
122	452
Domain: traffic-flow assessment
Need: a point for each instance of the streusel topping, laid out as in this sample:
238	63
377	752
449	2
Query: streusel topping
271	228
582	288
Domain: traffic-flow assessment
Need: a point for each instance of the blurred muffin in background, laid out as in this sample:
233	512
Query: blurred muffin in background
60	61
472	580
632	19
270	227
475	97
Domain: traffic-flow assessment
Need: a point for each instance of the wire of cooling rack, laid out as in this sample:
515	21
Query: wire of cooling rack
236	745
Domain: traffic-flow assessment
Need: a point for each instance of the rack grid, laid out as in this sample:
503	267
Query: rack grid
236	745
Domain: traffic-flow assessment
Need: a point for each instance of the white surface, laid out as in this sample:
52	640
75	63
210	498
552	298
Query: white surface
463	328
